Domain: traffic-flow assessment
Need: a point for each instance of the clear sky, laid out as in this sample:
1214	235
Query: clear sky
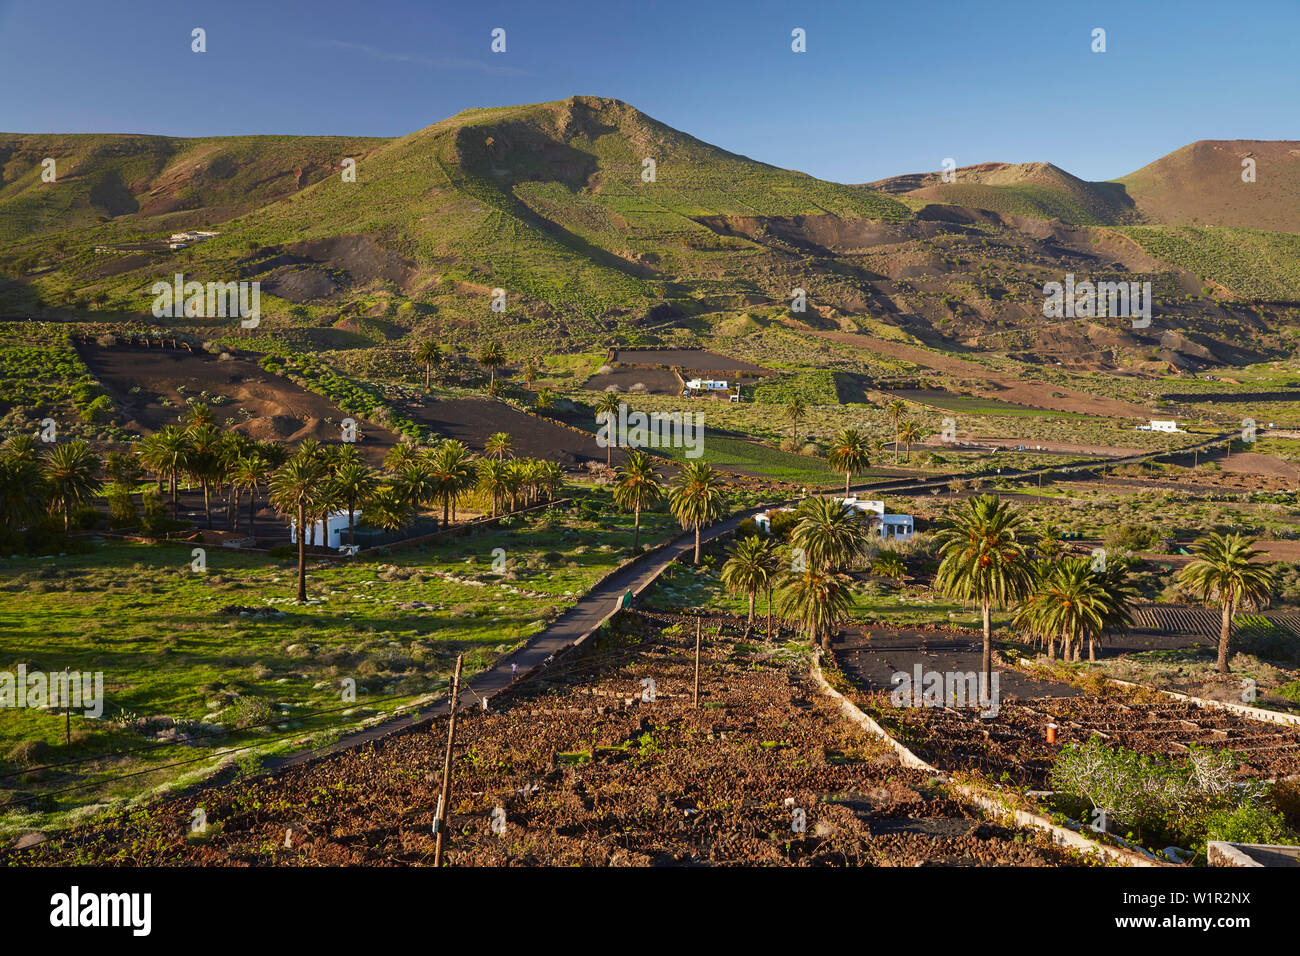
884	87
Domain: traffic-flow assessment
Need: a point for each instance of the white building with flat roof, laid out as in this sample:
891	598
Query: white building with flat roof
331	533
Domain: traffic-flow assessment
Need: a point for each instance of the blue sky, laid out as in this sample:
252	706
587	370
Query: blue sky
883	88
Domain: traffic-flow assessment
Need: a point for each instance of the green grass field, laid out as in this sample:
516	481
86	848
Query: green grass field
169	655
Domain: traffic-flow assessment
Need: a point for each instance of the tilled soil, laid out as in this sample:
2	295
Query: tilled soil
1012	747
580	766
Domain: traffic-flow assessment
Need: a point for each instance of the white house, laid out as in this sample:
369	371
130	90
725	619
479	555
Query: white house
1158	425
891	527
707	385
333	533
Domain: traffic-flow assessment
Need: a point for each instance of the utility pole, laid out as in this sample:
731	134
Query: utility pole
444	799
698	632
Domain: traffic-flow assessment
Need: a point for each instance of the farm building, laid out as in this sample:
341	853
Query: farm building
888	526
332	533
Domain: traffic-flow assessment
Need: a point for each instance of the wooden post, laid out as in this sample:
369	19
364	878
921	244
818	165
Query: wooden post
444	799
698	631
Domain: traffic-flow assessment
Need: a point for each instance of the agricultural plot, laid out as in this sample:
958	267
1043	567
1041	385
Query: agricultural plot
152	388
591	764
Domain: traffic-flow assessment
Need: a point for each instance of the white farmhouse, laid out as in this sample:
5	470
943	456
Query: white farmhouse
331	533
1158	425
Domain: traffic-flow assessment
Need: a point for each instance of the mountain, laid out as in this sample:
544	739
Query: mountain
1201	185
1032	190
604	226
155	183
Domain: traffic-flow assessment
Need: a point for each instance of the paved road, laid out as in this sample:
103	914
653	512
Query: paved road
581	619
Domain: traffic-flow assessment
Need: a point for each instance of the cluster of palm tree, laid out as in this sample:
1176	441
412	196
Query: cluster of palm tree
219	462
813	591
906	432
1076	602
985	559
56	480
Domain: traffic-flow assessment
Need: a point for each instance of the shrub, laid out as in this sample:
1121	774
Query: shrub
248	712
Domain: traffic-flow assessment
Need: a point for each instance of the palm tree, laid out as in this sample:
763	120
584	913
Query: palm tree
530	372
453	475
295	490
248	474
400	455
494	478
203	462
354	484
983	560
895	411
498	446
848	454
428	354
816	600
492	358
830	534
908	433
889	564
173	450
749	568
388	509
795	410
638	487
545	400
606	411
550	479
1049	542
198	414
1224	572
418	483
696	498
22	490
1069	601
71	473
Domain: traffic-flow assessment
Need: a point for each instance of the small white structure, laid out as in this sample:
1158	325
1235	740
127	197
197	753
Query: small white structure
891	527
331	533
707	385
1159	425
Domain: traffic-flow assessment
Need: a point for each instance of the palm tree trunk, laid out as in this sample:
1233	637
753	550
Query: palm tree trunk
252	510
1225	633
207	503
176	510
751	607
1051	648
847	476
302	554
769	614
446	506
234	512
636	528
988	644
697	544
1092	650
427	369
352	524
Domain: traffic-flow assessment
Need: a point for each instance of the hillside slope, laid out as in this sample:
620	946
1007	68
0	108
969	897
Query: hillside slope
150	183
1201	185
